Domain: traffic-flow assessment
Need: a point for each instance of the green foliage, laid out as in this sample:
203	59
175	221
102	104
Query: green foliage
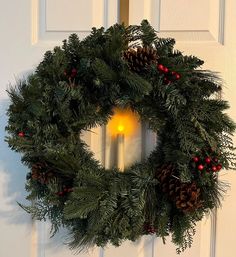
148	34
76	87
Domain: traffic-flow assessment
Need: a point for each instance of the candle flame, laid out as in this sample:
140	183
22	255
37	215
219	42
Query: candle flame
123	121
121	128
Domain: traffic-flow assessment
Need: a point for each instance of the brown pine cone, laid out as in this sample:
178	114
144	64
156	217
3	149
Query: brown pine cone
186	196
140	58
41	173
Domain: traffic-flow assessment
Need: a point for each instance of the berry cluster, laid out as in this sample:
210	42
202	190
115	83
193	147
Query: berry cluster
207	163
64	191
150	229
70	74
21	134
170	76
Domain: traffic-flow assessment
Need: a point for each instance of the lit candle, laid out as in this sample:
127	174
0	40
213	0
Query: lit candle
121	126
120	148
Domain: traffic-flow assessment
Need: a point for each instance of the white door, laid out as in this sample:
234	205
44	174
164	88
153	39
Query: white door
28	28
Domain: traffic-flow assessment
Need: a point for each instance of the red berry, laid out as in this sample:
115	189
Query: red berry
60	193
214	168
166	70
177	76
74	71
160	67
167	81
208	160
200	167
70	190
21	134
219	167
215	160
195	159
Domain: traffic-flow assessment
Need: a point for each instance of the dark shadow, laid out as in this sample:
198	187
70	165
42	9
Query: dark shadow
113	152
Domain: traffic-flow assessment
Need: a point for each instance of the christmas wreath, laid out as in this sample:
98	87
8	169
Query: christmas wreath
77	87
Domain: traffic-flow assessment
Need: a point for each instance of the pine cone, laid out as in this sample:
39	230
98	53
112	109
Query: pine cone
41	173
140	58
186	196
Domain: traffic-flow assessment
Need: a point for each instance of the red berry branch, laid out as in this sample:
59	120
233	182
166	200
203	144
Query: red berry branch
207	163
149	229
170	76
64	191
70	74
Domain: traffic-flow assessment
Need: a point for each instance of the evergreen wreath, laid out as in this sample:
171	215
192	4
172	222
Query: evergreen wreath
75	88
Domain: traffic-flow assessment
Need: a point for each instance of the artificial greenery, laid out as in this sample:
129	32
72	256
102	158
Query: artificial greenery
75	88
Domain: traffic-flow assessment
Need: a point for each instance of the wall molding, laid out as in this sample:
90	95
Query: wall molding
213	233
221	33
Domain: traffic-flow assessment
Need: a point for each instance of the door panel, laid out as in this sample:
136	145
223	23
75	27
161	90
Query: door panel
213	41
29	28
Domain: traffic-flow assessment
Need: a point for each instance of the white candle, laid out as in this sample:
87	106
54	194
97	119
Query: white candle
120	149
120	152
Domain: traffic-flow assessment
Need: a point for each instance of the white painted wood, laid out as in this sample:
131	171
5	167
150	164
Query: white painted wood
77	15
70	16
175	17
203	20
214	238
15	225
29	28
54	20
